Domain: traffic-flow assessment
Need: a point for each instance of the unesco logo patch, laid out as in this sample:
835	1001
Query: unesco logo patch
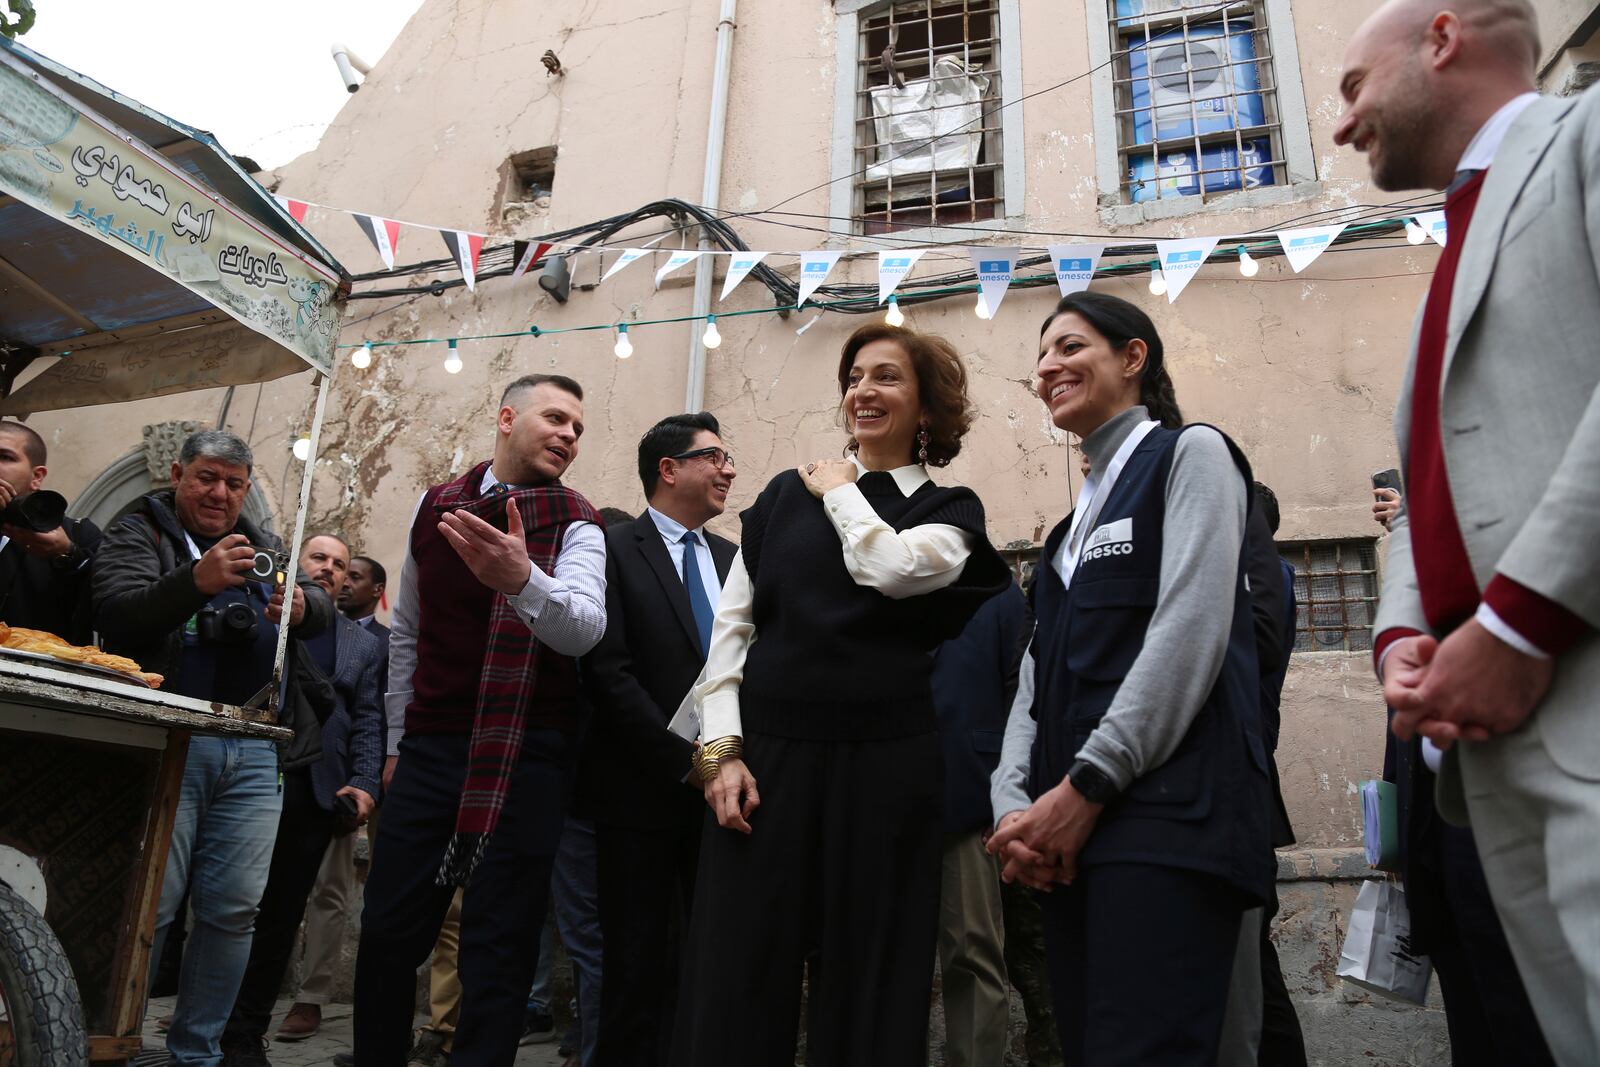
1112	539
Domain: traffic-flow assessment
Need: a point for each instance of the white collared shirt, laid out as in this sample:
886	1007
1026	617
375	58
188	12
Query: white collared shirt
672	532
1485	143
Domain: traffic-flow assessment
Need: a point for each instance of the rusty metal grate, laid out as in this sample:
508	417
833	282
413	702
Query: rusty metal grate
922	32
1336	593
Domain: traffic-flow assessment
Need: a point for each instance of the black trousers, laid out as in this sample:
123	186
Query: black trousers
304	830
645	889
1140	960
501	913
843	860
1282	1042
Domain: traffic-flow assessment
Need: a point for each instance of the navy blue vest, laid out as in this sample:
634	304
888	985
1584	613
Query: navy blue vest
1205	808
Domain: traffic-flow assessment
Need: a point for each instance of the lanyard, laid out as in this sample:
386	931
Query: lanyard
194	549
1091	498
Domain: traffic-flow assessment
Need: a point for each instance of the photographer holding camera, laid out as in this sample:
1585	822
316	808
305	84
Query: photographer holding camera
189	588
44	556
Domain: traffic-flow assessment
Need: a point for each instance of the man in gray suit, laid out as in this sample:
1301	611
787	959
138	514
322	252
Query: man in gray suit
1486	632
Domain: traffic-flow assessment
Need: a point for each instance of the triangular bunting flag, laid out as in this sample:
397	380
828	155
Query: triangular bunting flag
525	254
893	266
1301	247
739	265
465	247
295	208
628	256
676	260
1433	225
814	268
1181	259
383	233
994	267
1074	266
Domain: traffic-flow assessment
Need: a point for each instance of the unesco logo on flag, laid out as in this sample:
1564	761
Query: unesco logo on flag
1073	266
816	268
743	264
1175	258
1310	242
990	270
897	263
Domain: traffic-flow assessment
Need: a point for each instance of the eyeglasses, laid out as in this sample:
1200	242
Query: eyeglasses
720	457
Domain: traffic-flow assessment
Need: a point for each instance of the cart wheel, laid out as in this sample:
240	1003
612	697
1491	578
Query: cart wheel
41	1017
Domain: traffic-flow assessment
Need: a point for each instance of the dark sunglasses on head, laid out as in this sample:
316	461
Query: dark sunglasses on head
720	457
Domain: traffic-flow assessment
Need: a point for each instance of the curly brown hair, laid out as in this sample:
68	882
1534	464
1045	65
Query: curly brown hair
941	386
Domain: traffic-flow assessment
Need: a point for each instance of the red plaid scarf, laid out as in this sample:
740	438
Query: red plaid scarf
510	661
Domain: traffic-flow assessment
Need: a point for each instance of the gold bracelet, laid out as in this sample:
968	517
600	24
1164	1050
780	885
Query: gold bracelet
708	757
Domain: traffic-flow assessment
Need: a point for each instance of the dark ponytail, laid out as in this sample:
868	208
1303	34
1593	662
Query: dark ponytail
1119	322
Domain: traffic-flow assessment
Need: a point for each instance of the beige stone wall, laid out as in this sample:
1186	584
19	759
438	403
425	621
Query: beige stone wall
1302	370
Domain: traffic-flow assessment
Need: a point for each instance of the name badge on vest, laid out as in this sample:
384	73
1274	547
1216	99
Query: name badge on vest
1112	539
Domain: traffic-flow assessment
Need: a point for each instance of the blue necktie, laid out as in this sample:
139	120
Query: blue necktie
699	603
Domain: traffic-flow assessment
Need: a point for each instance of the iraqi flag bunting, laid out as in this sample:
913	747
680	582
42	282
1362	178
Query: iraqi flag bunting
1074	266
1181	259
740	264
676	260
464	247
814	268
383	233
628	256
893	266
1301	247
994	267
525	254
295	208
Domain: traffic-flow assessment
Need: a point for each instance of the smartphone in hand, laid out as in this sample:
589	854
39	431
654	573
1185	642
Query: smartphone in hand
1387	479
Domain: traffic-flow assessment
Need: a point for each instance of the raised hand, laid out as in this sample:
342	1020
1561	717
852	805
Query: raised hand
498	560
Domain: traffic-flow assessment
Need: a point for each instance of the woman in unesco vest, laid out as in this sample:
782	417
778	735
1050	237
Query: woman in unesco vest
1143	794
850	573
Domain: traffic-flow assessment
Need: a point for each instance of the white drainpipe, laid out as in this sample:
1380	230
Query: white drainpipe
710	193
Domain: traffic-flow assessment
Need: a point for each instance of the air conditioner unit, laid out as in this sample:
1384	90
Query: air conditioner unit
1210	84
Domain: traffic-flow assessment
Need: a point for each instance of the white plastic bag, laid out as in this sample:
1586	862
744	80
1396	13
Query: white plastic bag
933	123
1377	952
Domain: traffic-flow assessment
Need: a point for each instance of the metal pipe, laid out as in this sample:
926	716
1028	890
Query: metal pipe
710	193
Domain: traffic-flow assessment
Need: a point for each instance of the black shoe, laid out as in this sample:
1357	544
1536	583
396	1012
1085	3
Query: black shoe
538	1028
242	1051
429	1051
344	1059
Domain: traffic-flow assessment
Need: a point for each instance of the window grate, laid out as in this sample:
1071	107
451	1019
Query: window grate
1336	593
1194	97
928	150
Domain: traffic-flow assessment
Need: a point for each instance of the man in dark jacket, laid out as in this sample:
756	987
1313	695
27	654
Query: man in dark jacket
172	587
329	787
44	575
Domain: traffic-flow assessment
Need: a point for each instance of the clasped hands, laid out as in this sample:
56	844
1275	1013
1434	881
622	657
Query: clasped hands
1040	846
1468	687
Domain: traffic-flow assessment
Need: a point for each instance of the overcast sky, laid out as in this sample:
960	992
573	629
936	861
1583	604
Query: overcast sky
258	75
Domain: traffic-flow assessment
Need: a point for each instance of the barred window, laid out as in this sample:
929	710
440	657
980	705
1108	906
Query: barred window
1196	98
927	122
1335	592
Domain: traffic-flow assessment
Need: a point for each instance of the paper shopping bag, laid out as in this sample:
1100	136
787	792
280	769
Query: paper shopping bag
1377	953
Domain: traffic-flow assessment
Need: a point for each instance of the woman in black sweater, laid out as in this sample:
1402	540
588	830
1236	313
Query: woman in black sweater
850	572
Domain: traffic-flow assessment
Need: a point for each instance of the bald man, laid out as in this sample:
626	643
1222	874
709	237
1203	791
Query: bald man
1485	637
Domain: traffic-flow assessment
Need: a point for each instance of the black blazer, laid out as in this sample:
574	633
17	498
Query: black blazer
631	768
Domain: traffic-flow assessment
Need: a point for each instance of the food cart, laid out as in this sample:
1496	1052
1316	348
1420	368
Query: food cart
137	259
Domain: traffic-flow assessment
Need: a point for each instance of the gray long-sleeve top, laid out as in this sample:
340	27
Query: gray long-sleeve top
1188	633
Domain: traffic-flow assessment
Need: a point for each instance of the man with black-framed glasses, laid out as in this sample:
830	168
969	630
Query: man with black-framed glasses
664	575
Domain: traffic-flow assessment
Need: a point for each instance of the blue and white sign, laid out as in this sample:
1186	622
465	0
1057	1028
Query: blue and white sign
1180	260
893	266
1074	266
814	268
1432	224
740	264
1302	246
676	260
994	267
628	256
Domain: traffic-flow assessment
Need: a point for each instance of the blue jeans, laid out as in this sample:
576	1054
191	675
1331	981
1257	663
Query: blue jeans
222	842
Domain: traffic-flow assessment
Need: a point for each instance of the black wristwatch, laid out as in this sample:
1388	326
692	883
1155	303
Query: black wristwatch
1091	783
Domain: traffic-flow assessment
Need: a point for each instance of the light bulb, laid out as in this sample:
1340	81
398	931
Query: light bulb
361	358
302	448
982	310
1158	282
1415	234
1247	266
623	347
711	338
894	316
452	362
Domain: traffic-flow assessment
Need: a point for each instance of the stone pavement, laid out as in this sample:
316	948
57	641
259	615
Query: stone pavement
318	1050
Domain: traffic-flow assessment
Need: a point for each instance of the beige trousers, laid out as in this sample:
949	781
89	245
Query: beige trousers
972	954
444	981
326	909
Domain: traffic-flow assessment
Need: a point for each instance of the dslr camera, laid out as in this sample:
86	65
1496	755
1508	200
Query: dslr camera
231	624
41	511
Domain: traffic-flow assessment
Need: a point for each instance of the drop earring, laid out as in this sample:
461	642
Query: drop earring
922	446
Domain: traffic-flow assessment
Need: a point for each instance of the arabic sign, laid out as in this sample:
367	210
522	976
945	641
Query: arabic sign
66	161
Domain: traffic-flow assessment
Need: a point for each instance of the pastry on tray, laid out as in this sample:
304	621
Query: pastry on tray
44	643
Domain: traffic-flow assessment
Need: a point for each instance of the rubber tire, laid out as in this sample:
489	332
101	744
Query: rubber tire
39	989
